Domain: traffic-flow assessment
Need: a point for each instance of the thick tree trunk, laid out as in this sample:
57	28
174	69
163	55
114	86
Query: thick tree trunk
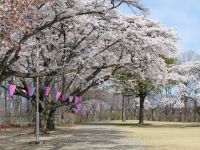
141	112
51	121
42	122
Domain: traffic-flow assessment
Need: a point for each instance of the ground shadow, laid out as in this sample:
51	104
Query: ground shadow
84	137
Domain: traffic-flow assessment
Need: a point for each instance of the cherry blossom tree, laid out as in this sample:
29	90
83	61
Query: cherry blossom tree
22	21
78	44
146	66
81	42
187	81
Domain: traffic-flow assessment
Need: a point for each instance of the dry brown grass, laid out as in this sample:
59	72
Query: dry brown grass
163	135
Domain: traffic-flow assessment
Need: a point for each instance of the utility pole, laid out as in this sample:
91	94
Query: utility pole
37	125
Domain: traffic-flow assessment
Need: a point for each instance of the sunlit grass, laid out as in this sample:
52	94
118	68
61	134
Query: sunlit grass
163	135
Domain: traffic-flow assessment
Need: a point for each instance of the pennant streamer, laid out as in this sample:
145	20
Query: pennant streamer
47	90
31	90
77	106
11	89
58	94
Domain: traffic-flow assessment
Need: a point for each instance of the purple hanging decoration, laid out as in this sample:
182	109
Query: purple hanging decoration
11	89
58	94
70	98
7	89
78	104
47	90
79	107
76	100
31	90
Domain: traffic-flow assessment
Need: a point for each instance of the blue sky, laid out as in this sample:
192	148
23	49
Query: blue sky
184	16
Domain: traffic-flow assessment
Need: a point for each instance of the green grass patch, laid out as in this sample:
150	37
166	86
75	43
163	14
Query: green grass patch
163	135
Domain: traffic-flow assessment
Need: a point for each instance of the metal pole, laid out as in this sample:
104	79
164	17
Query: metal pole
37	133
37	127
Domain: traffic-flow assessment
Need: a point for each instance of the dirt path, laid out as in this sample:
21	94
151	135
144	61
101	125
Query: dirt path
80	137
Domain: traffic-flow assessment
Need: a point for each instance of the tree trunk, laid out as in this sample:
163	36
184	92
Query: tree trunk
180	115
185	110
141	112
51	121
195	114
153	114
123	109
172	114
166	114
135	115
42	122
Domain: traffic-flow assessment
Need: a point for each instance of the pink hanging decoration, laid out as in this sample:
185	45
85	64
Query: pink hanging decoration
47	90
70	98
60	98
58	94
11	89
31	90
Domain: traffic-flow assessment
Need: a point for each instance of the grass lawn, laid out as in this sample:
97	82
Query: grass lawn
163	135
